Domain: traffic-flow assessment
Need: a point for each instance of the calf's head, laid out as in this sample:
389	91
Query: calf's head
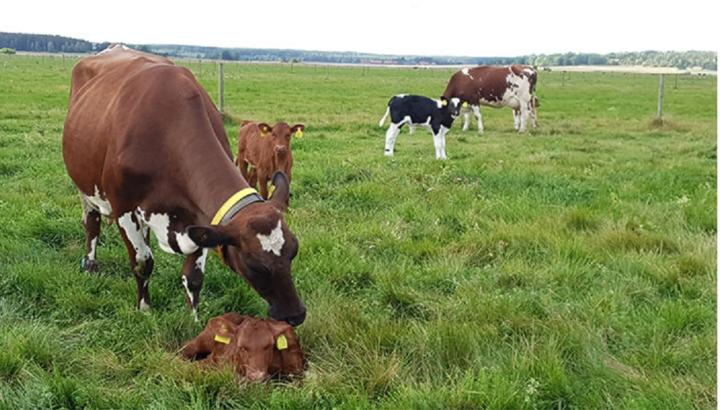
267	348
257	244
280	134
452	105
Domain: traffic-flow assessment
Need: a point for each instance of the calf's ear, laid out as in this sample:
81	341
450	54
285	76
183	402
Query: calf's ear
443	101
208	236
281	195
297	130
264	128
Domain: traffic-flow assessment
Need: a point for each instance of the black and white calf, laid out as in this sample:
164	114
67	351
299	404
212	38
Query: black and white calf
415	110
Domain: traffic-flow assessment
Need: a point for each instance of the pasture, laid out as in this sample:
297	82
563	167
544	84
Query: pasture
573	267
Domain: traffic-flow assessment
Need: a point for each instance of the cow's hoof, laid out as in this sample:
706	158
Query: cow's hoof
88	265
388	154
143	306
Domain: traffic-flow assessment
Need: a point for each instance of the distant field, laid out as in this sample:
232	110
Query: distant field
572	267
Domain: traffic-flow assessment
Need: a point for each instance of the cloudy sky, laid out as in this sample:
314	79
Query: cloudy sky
429	27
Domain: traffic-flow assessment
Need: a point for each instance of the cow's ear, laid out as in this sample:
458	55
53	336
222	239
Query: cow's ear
209	236
443	101
297	130
281	195
264	128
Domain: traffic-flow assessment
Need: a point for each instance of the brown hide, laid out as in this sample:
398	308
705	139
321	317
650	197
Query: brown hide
264	150
142	136
252	348
485	83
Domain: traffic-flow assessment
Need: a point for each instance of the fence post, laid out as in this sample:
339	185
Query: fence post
661	91
221	88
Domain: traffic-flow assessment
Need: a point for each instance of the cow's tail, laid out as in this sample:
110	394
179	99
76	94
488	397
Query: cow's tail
382	120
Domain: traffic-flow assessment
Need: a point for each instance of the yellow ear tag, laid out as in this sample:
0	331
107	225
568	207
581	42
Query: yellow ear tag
281	342
465	104
222	339
299	133
444	103
271	190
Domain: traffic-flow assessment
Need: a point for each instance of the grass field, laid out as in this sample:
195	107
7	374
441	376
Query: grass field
573	267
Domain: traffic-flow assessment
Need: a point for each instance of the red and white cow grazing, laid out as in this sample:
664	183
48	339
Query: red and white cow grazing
146	147
496	86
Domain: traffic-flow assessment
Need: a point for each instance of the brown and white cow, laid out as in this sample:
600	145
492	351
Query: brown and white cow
264	150
496	86
146	147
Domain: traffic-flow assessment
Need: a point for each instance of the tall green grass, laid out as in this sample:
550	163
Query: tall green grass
571	267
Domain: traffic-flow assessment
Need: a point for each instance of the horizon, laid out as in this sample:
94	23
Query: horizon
468	30
358	52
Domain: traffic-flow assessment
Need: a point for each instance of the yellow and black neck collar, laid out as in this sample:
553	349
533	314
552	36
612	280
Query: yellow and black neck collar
235	204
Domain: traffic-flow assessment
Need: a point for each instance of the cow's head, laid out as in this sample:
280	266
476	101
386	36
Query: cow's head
258	245
453	106
281	134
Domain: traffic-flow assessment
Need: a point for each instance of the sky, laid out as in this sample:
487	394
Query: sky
420	27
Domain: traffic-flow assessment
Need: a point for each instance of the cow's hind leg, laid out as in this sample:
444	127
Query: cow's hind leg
390	138
91	223
135	234
524	114
466	119
478	116
193	272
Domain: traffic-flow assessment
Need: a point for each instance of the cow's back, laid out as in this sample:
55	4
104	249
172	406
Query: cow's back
486	84
133	117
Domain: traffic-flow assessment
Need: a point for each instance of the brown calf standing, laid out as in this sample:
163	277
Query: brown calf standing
263	149
256	348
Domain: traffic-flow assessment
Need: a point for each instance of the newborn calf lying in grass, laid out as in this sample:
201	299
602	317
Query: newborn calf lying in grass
257	349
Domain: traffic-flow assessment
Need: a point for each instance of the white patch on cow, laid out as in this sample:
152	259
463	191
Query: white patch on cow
200	262
274	241
187	246
439	103
187	291
98	202
135	235
466	71
401	95
160	225
93	248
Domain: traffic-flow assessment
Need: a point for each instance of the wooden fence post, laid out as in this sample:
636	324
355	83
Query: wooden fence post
661	91
221	88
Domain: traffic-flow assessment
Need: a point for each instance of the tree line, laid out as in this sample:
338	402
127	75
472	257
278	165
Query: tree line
59	44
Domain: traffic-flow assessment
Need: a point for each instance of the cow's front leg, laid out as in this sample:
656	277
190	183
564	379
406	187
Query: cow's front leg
516	119
135	236
91	223
390	137
439	141
193	272
478	116
263	179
